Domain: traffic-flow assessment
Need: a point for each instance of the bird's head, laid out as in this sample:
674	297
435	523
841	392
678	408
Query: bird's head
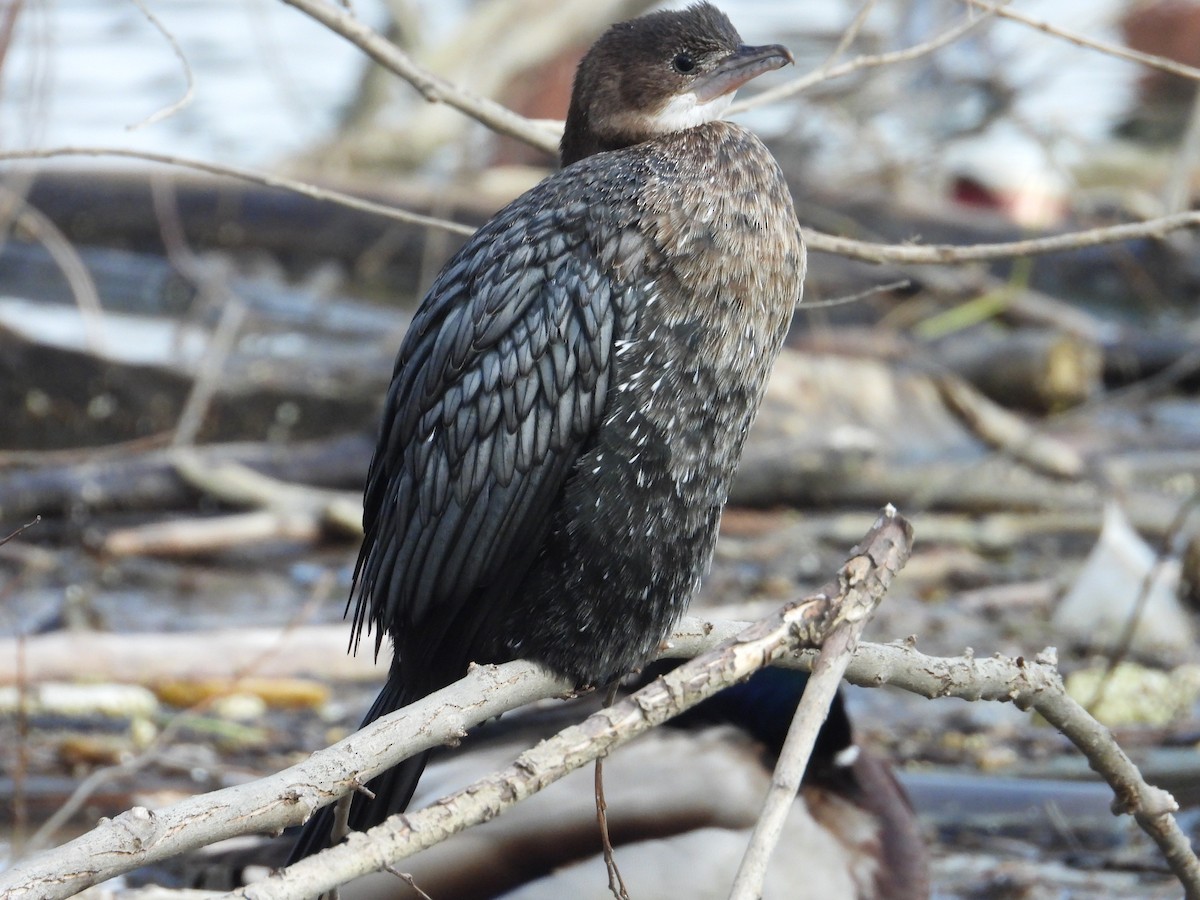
661	73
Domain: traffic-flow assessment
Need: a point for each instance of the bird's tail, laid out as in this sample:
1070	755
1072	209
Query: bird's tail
392	789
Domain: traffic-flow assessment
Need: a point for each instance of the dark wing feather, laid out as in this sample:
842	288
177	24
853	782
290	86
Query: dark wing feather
499	385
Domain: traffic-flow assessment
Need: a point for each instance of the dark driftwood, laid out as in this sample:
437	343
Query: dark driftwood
51	395
115	208
150	481
1138	355
1031	369
834	430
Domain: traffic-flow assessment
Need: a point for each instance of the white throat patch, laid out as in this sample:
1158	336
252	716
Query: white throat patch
686	111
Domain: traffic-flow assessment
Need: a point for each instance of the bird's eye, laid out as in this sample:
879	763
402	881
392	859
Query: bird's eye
683	63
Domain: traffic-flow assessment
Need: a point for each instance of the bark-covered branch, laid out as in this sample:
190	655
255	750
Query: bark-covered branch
1028	684
867	251
431	86
861	584
141	836
837	649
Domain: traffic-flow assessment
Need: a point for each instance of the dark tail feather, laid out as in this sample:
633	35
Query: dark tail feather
392	789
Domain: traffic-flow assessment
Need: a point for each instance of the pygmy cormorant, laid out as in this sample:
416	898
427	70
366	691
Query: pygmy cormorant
570	402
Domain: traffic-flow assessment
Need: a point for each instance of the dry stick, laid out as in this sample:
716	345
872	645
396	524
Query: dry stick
1005	431
207	375
252	176
899	285
409	880
849	35
1162	63
140	836
867	574
616	884
912	254
1027	684
20	531
870	61
432	87
189	92
291	511
837	649
938	254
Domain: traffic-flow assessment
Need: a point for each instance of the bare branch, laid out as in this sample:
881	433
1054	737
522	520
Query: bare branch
837	649
900	285
862	581
850	35
1146	59
432	87
940	254
141	836
20	530
911	254
255	177
189	92
1026	683
828	72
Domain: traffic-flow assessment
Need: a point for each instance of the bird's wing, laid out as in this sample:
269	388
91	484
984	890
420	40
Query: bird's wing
499	385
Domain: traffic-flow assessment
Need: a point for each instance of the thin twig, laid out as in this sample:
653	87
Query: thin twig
1162	63
432	87
861	295
20	531
140	836
189	91
837	649
911	254
849	35
616	884
206	375
250	175
939	254
868	61
409	880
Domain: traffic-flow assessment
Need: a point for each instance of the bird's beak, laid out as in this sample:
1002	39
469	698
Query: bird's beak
739	67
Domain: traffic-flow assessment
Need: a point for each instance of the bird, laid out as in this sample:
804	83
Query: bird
682	801
570	402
